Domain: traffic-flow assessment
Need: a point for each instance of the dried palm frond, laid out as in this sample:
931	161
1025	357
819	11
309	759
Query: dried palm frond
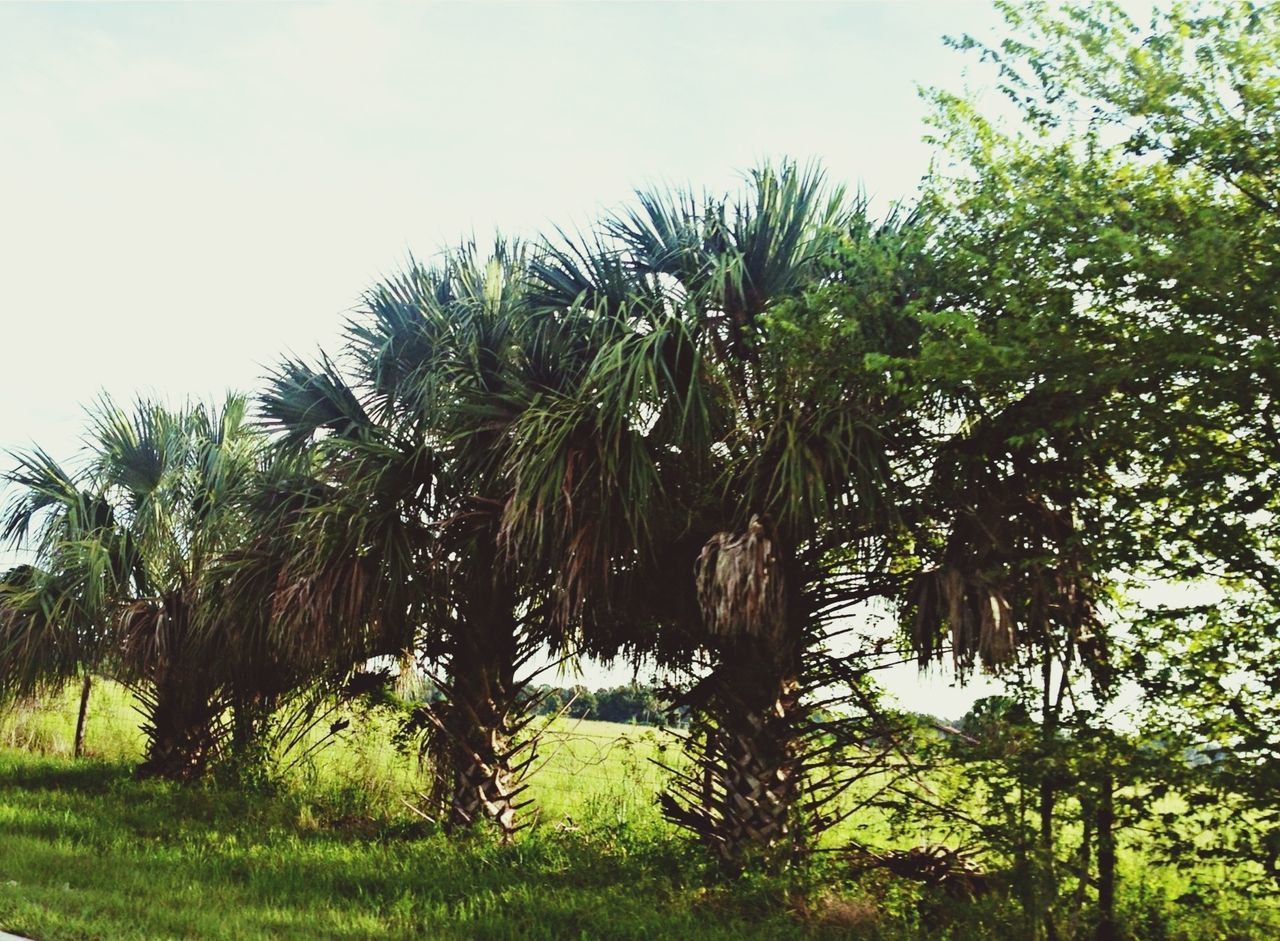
976	615
143	643
741	586
997	636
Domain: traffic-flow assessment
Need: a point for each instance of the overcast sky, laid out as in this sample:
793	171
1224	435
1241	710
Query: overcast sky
189	191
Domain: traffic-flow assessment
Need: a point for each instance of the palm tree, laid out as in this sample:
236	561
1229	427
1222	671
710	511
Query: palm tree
725	469
41	646
122	549
402	551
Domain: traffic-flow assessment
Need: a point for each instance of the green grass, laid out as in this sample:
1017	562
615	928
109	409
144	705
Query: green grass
88	852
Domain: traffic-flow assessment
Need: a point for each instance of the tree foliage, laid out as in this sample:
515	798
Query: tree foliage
1113	237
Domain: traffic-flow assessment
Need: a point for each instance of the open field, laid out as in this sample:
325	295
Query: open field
88	852
91	853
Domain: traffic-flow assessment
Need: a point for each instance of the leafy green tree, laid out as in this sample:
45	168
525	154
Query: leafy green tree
575	702
1110	249
1213	679
630	703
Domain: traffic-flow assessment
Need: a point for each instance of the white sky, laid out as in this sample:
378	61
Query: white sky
189	191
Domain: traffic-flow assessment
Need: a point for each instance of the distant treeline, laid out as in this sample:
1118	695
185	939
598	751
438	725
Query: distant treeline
634	703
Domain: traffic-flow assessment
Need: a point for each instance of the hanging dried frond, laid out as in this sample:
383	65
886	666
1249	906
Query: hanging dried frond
144	646
976	616
997	636
741	585
316	607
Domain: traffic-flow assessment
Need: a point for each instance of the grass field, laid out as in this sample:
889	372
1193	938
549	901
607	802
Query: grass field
334	852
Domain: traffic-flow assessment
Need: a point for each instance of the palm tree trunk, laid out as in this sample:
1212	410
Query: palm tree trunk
742	800
78	745
482	785
477	773
180	736
743	804
760	762
244	725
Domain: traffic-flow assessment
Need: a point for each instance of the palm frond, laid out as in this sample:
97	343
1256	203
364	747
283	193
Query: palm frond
42	485
301	402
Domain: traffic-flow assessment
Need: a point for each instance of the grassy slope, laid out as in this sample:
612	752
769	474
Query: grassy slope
87	852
